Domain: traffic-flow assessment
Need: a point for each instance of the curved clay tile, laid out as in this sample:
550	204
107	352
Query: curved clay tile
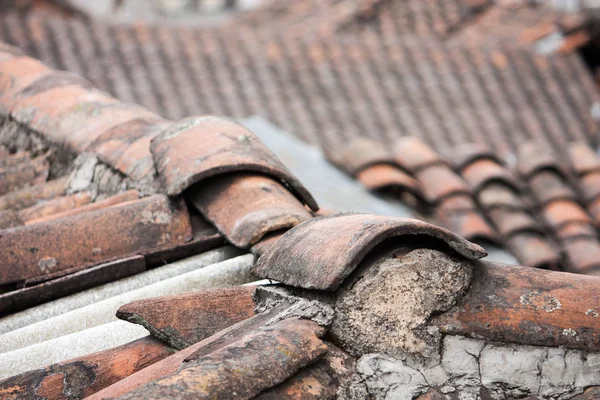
584	158
194	149
547	186
469	224
182	320
501	196
560	212
414	154
509	222
534	157
590	186
322	252
534	250
389	177
30	196
573	230
359	153
482	172
245	207
439	181
583	254
466	154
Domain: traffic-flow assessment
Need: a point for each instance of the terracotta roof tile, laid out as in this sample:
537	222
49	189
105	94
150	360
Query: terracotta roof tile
25	174
560	212
182	320
81	377
296	252
89	238
534	250
548	186
583	254
73	281
386	177
54	206
482	172
30	196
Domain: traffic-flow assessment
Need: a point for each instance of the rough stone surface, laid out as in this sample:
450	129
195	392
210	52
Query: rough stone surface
82	299
228	273
387	307
467	365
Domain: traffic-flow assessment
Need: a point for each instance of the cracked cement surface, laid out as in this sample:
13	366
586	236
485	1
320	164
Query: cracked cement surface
387	309
465	365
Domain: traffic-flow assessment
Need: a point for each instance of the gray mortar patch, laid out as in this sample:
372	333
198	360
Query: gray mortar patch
465	365
387	310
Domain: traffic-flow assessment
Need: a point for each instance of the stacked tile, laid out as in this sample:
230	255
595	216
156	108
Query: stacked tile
445	191
500	195
231	178
375	167
548	178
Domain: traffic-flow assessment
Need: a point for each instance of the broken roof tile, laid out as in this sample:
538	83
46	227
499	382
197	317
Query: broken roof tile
133	228
439	181
182	320
244	207
481	172
84	376
528	306
534	250
322	252
258	361
560	212
198	148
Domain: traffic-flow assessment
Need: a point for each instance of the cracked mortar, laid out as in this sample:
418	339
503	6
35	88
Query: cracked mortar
388	308
467	365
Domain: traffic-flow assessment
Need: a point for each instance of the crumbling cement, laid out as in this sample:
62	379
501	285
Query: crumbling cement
17	137
269	297
466	365
387	309
91	174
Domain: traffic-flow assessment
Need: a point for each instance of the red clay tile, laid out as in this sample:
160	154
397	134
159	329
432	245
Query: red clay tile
319	380
590	186
548	186
182	320
594	209
258	361
72	283
501	196
469	224
198	148
30	196
460	202
98	205
439	181
137	227
84	376
509	222
359	153
559	212
481	172
534	157
55	206
414	154
584	158
528	306
576	230
245	207
25	174
171	364
17	73
583	254
389	177
466	154
266	242
533	250
322	252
